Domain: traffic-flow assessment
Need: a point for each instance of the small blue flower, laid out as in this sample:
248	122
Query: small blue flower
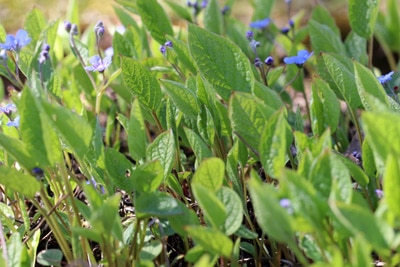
285	30
286	204
204	4
269	61
163	49
99	64
225	10
385	78
379	193
67	26
99	29
8	109
260	24
14	123
169	44
300	59
249	35
16	42
44	54
257	62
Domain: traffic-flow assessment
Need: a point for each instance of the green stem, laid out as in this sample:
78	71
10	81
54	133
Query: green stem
159	126
62	242
356	123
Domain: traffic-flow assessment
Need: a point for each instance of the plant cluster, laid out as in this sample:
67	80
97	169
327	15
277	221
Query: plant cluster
187	146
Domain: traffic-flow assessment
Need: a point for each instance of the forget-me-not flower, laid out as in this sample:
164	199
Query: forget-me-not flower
99	64
300	59
14	122
385	78
260	24
16	42
8	109
286	204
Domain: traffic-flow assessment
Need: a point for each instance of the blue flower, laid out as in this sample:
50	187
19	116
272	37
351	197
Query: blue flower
286	204
269	61
8	109
260	24
16	42
14	123
385	78
99	64
163	49
379	193
300	59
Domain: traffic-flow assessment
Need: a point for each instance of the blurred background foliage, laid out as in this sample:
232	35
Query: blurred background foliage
12	13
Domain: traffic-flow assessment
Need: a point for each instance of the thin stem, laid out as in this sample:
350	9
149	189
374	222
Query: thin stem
73	45
159	126
263	75
54	226
291	81
357	124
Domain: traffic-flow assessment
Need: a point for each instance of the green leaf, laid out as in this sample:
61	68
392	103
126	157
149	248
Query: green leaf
24	184
157	204
35	22
18	150
391	184
356	172
306	200
147	177
272	218
270	97
163	149
322	15
182	52
137	133
356	47
150	250
179	10
213	20
360	221
36	131
262	9
221	62
141	83
363	14
324	39
233	208
248	115
50	257
213	208
180	222
274	144
381	132
368	84
324	108
155	18
119	169
200	149
72	128
183	98
210	174
14	250
123	47
211	240
338	71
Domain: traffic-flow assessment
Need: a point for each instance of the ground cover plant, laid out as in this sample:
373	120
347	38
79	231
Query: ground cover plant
187	145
